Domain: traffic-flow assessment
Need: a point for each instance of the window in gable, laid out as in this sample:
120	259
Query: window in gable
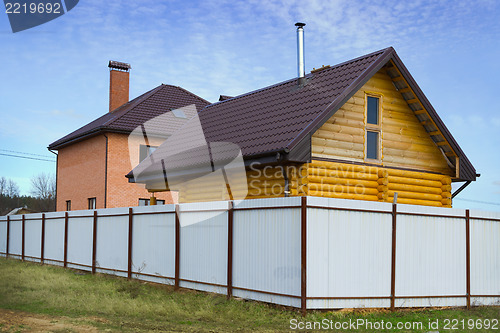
372	143
373	129
372	110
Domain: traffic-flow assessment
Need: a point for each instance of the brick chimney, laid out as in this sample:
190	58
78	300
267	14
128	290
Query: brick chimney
118	84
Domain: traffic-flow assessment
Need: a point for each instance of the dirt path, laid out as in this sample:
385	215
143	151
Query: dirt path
18	321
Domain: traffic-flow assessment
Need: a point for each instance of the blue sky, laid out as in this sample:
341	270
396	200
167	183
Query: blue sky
54	77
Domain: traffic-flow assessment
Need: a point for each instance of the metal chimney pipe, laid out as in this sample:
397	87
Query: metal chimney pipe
300	51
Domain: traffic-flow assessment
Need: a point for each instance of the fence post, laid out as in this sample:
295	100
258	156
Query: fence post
8	237
467	251
42	250
230	222
177	246
130	221
303	249
23	234
94	241
66	217
393	258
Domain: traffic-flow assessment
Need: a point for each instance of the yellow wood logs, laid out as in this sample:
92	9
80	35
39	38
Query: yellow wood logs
409	181
417	202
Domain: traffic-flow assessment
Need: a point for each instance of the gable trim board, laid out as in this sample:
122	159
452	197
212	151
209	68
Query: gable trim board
266	148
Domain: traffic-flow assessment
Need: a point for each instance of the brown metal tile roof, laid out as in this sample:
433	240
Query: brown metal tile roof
138	111
279	118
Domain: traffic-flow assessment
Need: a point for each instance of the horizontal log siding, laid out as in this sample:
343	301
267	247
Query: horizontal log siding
351	181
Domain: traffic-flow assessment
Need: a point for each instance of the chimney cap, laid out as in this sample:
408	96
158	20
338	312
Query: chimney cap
119	65
299	24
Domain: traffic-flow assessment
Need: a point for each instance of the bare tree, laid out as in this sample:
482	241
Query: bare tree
43	187
12	189
3	185
8	187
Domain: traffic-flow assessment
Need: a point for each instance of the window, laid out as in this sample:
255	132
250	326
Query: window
372	110
372	145
145	151
372	128
145	202
92	202
68	205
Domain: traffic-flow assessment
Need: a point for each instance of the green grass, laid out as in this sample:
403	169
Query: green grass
116	304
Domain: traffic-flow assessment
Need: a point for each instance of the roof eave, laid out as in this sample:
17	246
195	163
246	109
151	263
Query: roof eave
466	169
85	136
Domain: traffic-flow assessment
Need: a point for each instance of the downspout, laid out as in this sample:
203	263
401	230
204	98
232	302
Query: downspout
285	176
106	174
461	188
280	158
57	170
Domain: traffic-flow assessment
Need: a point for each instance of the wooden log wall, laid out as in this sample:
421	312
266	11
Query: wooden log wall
350	181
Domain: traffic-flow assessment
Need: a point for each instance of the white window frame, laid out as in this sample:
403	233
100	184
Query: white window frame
374	128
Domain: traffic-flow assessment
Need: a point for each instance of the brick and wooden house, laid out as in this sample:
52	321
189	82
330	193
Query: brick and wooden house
362	129
92	160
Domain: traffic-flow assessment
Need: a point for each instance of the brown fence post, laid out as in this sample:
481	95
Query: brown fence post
42	250
303	248
8	237
94	241
130	221
467	251
177	246
393	258
23	241
66	217
230	222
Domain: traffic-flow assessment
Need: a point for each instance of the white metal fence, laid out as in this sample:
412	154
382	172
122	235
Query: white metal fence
309	253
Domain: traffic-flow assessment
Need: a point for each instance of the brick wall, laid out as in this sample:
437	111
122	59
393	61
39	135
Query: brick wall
80	173
121	193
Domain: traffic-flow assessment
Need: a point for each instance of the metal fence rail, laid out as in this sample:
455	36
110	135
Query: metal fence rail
304	252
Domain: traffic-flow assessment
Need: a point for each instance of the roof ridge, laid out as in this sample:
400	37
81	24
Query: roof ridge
200	98
307	75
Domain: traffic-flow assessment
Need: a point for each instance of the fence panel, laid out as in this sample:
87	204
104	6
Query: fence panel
16	236
112	241
3	235
203	246
54	238
80	235
485	258
267	251
33	237
348	250
430	257
348	254
153	245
